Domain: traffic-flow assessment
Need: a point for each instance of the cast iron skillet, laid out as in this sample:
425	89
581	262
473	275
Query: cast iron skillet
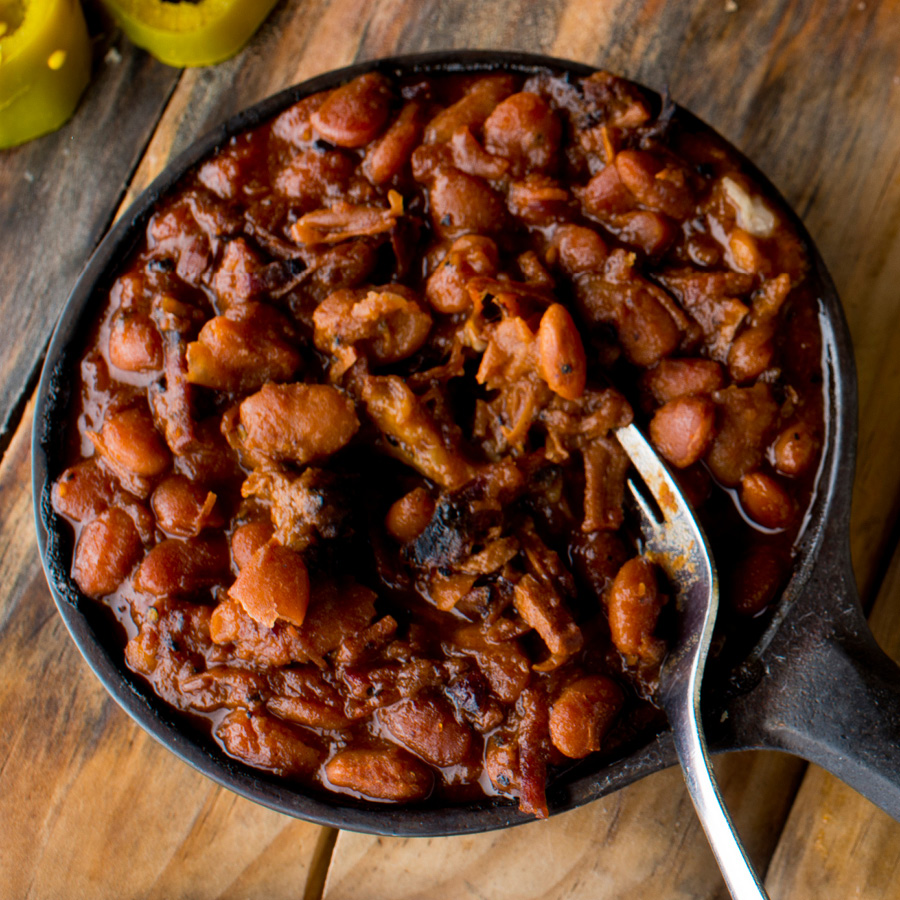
816	684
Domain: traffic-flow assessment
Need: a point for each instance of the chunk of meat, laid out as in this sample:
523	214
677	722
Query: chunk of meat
747	418
107	549
634	605
355	113
533	741
426	725
605	467
297	422
583	713
503	664
391	774
683	429
274	584
412	433
304	697
543	609
266	742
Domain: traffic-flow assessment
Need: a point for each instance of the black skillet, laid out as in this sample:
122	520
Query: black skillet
815	684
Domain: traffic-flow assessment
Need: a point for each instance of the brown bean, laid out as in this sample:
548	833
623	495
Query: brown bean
273	585
83	491
751	352
409	516
605	194
462	203
313	175
561	359
134	342
265	742
130	441
651	231
583	713
471	111
674	378
306	698
386	158
633	607
184	508
298	422
766	501
176	568
794	450
427	726
248	538
381	774
646	330
107	549
578	249
683	429
469	256
526	131
355	113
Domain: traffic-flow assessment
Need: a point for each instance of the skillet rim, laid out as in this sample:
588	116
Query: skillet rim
828	516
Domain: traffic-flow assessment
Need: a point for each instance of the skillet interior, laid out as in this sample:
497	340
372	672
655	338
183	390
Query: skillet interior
824	537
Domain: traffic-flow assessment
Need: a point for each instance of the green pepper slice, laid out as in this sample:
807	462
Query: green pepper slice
45	65
190	32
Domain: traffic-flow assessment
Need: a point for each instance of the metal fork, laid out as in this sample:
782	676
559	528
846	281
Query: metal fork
677	544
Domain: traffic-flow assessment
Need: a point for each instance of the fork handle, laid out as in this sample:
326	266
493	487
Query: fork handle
690	744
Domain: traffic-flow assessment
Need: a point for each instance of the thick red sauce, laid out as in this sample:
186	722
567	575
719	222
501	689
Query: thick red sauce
344	464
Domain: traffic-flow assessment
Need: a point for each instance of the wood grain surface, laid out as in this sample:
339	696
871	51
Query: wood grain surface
92	807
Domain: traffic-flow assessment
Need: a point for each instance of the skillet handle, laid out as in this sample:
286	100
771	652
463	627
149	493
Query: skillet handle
830	694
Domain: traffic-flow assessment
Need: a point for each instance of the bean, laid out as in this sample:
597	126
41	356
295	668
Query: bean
273	585
766	501
462	203
634	605
107	549
130	441
583	713
265	742
304	697
355	113
313	175
746	419
674	378
751	352
605	194
526	131
795	448
469	256
83	491
683	429
651	231
248	538
385	159
755	579
504	665
409	516
471	111
561	359
578	249
134	342
298	422
176	568
184	508
427	726
381	774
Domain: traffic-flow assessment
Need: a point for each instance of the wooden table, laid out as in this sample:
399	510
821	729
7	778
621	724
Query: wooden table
91	807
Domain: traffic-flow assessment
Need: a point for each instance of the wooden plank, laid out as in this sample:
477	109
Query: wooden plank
641	841
836	843
91	806
58	194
